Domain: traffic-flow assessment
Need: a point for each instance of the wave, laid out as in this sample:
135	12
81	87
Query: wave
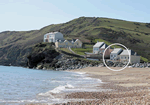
61	88
21	101
81	72
56	90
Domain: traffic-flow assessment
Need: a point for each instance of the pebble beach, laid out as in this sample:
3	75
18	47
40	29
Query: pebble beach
130	86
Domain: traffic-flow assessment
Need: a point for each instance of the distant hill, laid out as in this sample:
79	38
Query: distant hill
16	45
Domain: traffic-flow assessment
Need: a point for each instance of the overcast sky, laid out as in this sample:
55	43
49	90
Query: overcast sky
23	15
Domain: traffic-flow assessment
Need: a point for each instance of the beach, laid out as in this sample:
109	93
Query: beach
129	86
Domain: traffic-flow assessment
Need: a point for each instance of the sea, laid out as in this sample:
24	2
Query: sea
22	85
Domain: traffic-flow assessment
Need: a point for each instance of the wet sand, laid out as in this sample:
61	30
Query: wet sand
129	87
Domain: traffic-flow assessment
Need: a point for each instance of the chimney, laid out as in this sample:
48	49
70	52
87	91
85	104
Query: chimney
135	53
97	41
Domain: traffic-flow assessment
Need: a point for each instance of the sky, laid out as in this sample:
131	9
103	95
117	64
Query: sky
24	15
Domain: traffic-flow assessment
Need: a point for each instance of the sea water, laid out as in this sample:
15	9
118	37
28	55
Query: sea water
21	85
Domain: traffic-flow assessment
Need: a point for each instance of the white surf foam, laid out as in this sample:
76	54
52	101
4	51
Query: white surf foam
56	90
81	72
89	78
21	101
61	88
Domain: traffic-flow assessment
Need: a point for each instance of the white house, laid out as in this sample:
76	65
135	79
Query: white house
134	58
53	36
59	41
97	46
114	55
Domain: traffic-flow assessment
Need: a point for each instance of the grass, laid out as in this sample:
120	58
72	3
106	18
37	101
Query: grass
66	50
144	59
81	51
91	61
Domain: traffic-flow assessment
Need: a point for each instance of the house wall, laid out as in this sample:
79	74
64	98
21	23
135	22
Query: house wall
95	50
77	44
133	59
52	37
107	52
113	56
58	36
124	58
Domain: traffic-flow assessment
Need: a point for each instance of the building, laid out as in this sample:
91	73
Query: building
53	36
114	55
99	48
74	43
134	58
59	41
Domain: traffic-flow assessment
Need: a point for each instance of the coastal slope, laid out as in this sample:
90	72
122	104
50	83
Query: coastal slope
16	45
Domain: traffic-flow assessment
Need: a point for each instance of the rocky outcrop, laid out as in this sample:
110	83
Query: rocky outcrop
42	53
68	63
44	56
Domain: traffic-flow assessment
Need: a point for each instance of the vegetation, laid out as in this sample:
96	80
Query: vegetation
144	59
81	51
41	54
66	50
15	45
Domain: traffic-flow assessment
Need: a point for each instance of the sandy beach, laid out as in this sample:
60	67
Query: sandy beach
129	87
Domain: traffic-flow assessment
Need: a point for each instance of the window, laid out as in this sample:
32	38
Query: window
114	55
111	55
125	57
121	57
96	49
128	57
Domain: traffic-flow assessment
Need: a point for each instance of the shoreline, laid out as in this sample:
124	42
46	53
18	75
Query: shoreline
129	86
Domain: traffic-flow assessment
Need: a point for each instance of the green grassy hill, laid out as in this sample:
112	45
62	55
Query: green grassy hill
15	45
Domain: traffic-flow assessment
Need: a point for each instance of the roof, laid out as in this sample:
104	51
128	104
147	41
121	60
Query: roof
72	41
116	51
52	33
98	44
61	41
125	52
104	46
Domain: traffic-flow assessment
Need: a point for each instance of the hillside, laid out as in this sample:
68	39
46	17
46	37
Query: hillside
16	45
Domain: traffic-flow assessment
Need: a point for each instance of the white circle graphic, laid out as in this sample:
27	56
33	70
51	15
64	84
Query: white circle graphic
119	45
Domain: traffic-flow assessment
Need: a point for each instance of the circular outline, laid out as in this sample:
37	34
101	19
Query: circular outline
120	45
